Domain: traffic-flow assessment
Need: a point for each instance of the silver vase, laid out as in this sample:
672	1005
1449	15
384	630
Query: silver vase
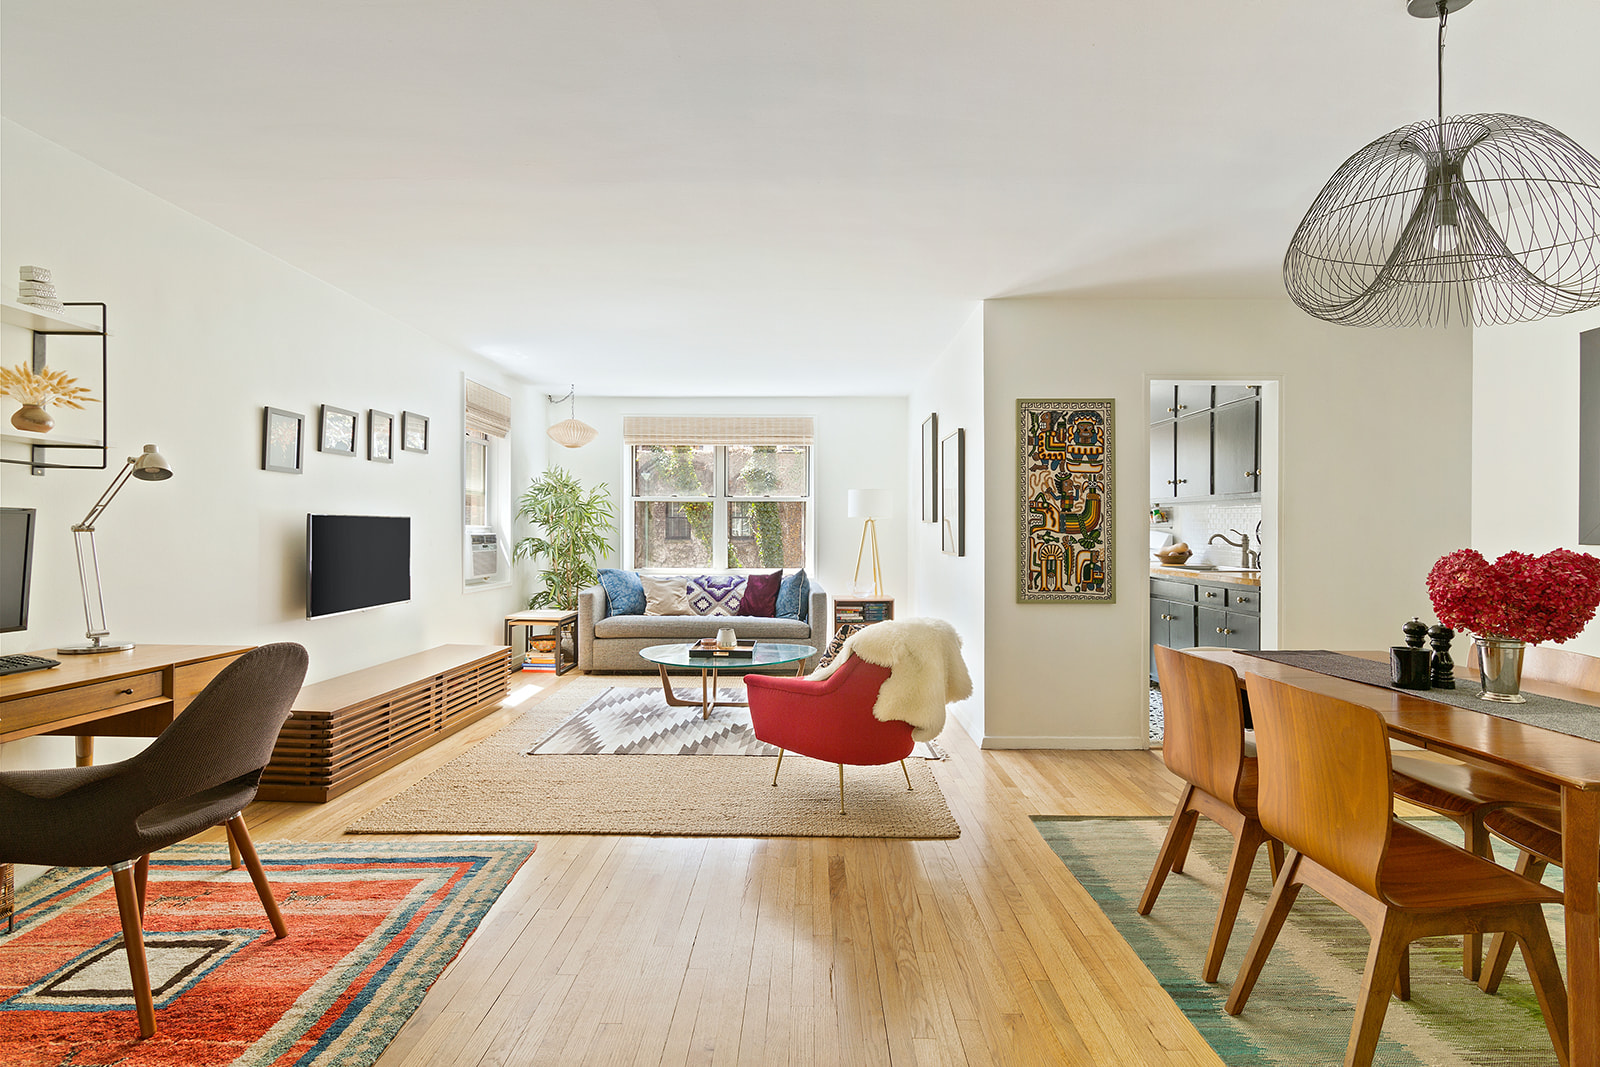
1500	669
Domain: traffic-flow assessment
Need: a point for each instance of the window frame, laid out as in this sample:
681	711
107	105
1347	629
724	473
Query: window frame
720	499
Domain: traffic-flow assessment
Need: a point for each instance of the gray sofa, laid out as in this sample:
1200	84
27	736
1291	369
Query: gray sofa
612	642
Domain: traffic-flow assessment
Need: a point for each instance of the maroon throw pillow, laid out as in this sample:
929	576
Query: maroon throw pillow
761	595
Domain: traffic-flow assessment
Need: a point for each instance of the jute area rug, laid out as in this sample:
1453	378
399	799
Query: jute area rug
496	787
370	928
1302	1007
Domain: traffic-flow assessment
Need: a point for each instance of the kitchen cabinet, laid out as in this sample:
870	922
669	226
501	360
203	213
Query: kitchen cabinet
1236	448
1184	614
1192	466
1227	394
1172	617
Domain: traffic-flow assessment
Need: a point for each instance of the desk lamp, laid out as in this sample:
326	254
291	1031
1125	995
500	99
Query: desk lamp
148	466
868	504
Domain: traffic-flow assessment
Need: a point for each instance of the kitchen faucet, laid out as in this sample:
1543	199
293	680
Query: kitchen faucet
1247	559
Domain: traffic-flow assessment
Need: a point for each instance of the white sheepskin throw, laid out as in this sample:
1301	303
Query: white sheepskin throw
925	656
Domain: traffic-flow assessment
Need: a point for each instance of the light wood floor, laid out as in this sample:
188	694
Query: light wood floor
639	950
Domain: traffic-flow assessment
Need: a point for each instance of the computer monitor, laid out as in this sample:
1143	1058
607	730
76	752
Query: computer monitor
16	567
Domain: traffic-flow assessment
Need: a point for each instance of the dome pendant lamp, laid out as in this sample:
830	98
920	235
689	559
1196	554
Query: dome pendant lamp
1483	219
570	432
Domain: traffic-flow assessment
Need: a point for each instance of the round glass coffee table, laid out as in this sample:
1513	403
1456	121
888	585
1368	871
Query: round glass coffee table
765	654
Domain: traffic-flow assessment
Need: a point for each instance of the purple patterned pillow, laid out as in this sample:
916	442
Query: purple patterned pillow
715	594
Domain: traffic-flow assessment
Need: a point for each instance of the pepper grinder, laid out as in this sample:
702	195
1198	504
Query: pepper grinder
1416	632
1444	668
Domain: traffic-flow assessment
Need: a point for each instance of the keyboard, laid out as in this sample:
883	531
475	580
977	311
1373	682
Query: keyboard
19	662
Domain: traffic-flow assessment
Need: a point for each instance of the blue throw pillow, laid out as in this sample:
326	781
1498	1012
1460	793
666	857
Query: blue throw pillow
794	596
624	591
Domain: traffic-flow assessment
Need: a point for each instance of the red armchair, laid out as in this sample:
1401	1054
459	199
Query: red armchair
830	719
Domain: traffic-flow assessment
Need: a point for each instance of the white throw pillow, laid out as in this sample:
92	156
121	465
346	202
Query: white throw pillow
665	596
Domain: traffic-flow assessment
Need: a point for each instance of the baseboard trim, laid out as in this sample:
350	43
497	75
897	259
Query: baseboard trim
1119	743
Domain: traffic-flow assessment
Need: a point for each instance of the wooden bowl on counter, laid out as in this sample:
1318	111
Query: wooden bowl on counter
1177	553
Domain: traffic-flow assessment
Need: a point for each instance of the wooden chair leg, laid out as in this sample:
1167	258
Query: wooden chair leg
907	773
1284	891
1245	847
1173	847
1548	986
141	876
1274	857
133	943
1476	839
1384	960
1501	946
247	851
1181	850
778	768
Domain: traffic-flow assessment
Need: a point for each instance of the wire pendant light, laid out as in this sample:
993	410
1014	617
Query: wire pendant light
1487	219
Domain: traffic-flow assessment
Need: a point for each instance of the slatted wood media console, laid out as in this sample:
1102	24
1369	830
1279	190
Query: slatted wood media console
345	730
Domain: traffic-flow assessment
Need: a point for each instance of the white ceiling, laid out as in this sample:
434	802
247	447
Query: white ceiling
702	197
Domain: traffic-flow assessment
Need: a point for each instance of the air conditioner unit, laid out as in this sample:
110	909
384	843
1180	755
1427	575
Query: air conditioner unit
483	554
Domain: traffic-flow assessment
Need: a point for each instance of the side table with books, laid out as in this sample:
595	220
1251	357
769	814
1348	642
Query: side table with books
549	640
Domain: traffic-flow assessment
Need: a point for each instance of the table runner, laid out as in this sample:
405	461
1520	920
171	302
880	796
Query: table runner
1549	713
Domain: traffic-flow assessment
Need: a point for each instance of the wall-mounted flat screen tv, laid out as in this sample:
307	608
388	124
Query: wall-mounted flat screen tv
355	562
16	567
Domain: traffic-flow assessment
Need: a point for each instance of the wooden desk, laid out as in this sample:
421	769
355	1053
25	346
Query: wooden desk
136	693
1571	764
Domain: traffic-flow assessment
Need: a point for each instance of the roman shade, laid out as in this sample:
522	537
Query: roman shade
487	411
718	429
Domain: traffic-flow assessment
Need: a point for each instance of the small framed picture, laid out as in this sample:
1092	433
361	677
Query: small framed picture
338	431
380	436
953	494
413	431
283	435
930	468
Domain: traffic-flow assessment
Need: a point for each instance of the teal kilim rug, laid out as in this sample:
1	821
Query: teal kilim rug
1302	1007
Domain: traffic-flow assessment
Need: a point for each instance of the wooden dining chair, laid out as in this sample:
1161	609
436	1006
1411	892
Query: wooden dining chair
1325	792
1536	835
1204	744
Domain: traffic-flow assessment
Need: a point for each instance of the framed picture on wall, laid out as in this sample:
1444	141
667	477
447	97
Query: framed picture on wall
338	436
380	436
283	436
930	468
1066	547
953	494
413	432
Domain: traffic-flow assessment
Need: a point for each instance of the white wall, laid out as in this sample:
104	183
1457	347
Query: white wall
860	445
1525	442
205	330
1375	429
944	586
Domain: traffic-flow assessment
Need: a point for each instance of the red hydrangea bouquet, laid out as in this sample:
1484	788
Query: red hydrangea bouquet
1517	597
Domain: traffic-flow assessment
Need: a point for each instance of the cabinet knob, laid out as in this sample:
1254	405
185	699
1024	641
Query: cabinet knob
1210	593
1180	407
1242	599
1221	630
1183	481
1258	472
1251	474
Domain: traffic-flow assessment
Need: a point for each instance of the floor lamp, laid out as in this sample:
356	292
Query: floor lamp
868	504
148	466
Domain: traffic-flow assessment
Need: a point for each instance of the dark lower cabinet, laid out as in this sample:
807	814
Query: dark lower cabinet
1185	614
1172	617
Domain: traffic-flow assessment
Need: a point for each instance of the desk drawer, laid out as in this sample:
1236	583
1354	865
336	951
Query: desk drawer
79	700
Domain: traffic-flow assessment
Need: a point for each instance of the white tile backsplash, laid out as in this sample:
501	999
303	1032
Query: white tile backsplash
1195	523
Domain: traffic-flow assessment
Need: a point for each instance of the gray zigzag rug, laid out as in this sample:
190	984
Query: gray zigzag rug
639	722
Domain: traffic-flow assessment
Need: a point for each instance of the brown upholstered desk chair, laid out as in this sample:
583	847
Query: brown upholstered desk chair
1536	833
1325	793
201	772
1203	743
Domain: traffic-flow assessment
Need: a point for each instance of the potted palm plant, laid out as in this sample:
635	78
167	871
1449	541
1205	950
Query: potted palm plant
571	532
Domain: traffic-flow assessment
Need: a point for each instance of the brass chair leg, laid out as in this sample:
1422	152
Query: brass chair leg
133	943
778	768
233	854
247	850
841	789
907	774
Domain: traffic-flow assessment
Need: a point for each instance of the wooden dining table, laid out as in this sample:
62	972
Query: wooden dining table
1570	764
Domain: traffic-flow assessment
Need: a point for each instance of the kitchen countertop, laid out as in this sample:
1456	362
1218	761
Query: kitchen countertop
1191	574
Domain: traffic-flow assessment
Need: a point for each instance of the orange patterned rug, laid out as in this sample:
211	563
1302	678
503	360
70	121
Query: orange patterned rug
371	925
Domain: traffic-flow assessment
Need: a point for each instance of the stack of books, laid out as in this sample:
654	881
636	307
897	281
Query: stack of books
861	611
35	289
541	655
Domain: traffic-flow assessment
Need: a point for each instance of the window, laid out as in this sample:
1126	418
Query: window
719	501
485	487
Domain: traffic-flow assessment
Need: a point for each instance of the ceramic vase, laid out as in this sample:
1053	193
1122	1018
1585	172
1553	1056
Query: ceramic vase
33	418
1500	668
